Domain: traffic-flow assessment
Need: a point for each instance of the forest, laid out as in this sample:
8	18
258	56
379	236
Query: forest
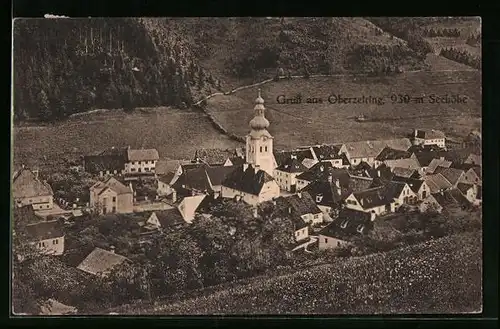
461	56
78	65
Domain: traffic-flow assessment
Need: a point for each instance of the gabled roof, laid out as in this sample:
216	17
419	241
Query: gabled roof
452	175
321	171
283	156
391	154
142	155
326	193
478	172
408	163
379	196
383	171
464	187
214	156
44	230
429	134
113	184
463	166
403	172
435	163
358	183
166	178
26	185
237	161
349	224
425	157
169	218
292	165
451	198
370	149
249	181
414	184
167	166
302	203
195	178
101	261
437	183
218	174
474	159
326	152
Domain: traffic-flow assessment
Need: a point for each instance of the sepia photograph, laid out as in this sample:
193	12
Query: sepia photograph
246	166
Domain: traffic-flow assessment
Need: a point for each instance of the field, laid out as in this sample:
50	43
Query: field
174	133
440	276
294	125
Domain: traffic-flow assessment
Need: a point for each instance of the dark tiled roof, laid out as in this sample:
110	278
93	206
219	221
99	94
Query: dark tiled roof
282	207
196	179
382	171
414	184
424	158
218	174
166	178
358	183
169	218
167	166
424	148
190	166
303	204
45	230
113	184
451	198
249	181
348	225
429	134
463	187
463	166
26	184
326	152
479	194
109	159
478	172
321	171
326	193
452	175
379	196
283	156
437	183
237	161
403	172
391	154
292	165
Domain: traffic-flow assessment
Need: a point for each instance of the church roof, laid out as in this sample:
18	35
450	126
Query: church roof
248	181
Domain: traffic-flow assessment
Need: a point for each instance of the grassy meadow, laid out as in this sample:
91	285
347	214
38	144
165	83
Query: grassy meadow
303	124
466	28
439	276
174	133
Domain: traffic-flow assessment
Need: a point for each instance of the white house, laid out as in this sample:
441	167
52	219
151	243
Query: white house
251	185
418	186
340	232
429	137
111	196
367	151
286	173
141	161
28	189
470	192
48	237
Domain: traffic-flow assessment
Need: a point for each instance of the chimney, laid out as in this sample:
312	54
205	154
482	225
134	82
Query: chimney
330	178
289	210
237	198
372	216
245	166
299	194
255	212
274	202
293	156
321	168
174	196
112	249
378	173
23	166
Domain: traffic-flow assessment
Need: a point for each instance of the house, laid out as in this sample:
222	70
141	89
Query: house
141	161
203	179
437	183
165	219
390	154
108	162
188	205
251	184
452	175
48	237
320	171
340	232
474	159
101	262
284	209
286	173
405	172
165	184
381	199
216	156
409	163
111	196
367	151
382	172
329	195
301	155
430	203
473	176
470	192
28	189
452	198
165	166
429	137
436	163
418	186
330	153
425	157
217	174
479	196
303	205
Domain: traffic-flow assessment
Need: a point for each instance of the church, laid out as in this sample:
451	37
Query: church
253	181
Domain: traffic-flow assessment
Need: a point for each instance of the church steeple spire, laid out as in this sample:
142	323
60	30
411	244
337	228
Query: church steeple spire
259	122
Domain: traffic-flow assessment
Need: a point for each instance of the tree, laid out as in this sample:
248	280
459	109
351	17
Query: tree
44	106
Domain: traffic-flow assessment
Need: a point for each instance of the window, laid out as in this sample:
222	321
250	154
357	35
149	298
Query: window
139	170
39	244
114	199
132	170
326	240
338	243
298	233
261	149
114	209
266	148
48	206
55	241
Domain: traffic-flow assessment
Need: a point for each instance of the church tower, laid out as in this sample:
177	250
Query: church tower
259	142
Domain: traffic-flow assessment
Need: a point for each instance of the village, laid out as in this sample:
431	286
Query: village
329	193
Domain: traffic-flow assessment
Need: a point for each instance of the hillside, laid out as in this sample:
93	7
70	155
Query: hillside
440	276
63	67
